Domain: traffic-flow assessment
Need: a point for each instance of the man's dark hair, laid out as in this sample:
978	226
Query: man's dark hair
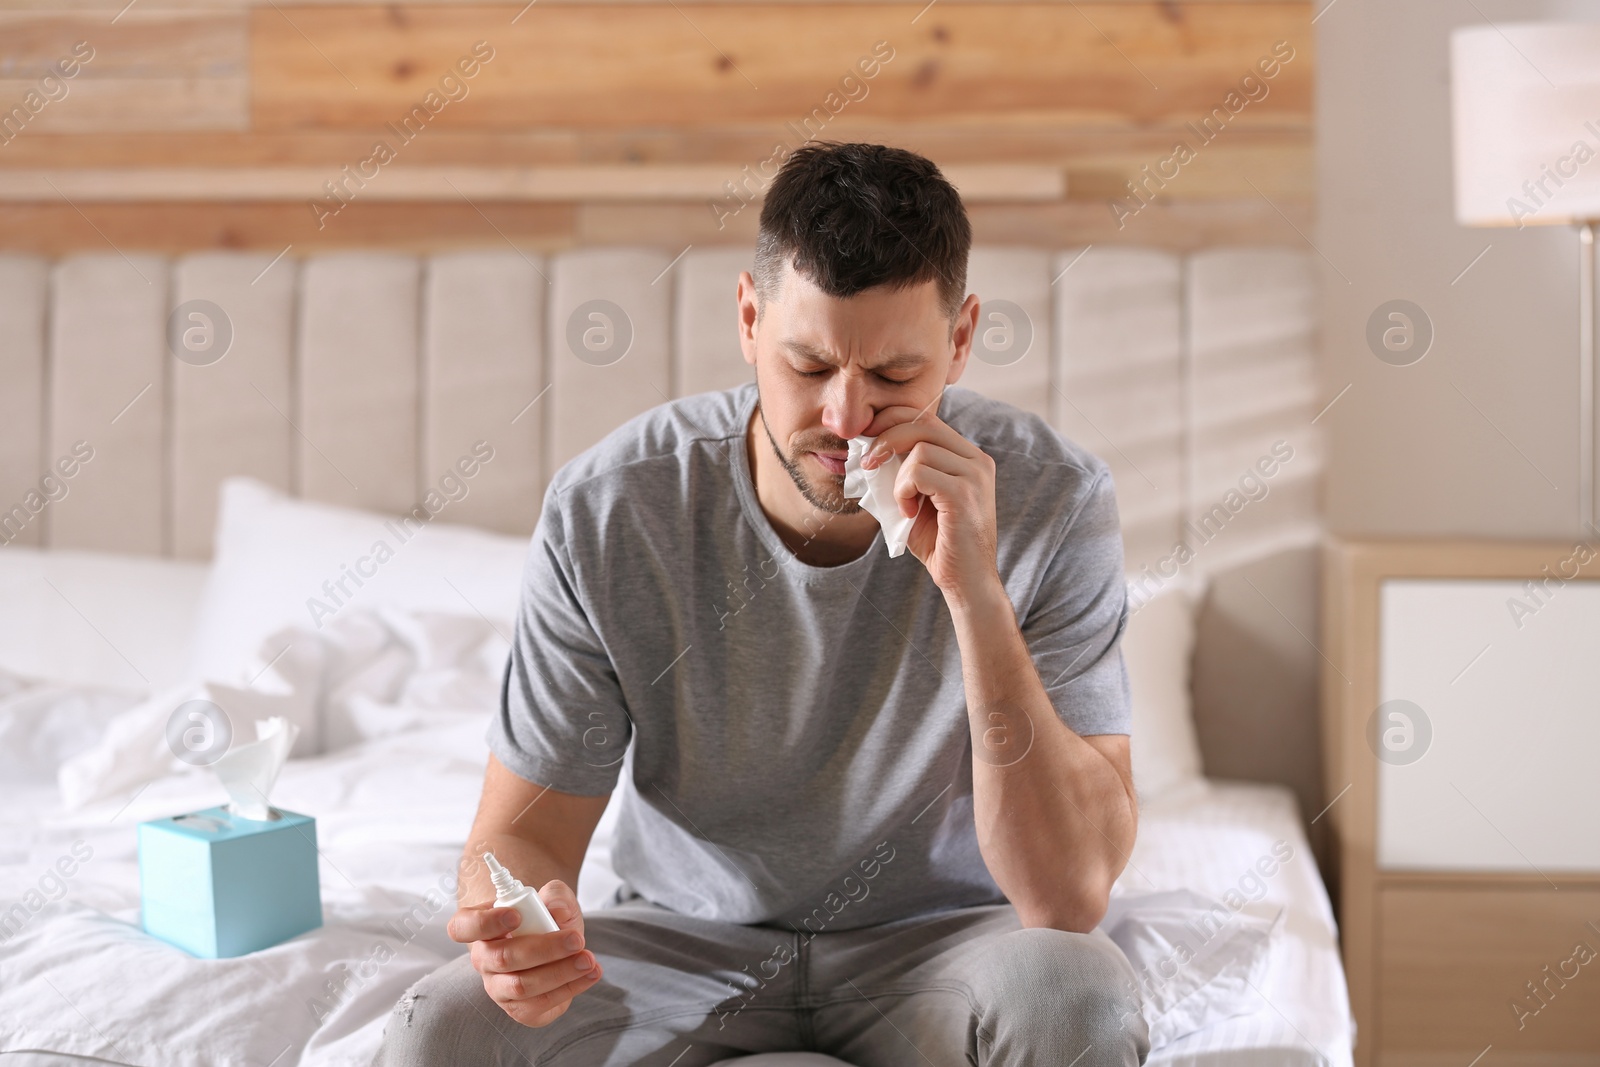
853	216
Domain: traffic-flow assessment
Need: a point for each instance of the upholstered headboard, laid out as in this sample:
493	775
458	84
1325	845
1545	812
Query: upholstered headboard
361	379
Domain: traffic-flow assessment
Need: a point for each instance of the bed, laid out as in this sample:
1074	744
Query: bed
182	560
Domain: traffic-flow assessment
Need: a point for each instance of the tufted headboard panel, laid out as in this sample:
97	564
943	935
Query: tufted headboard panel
359	378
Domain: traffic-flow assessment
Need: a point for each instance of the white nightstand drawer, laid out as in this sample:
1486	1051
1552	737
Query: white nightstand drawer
1500	768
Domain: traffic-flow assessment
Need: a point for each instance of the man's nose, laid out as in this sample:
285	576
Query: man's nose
846	412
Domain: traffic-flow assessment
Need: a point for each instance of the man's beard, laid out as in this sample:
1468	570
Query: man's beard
825	495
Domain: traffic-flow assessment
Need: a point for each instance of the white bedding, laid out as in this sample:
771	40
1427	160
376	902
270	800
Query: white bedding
1210	843
387	845
78	977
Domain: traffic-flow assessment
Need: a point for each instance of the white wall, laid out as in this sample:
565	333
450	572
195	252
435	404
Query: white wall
1410	455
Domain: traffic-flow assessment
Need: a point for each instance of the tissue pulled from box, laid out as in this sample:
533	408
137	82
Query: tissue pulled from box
875	489
249	771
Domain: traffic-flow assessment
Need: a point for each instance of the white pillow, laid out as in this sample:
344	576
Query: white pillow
280	563
97	618
1157	647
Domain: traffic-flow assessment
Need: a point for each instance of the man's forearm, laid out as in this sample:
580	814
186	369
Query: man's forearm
1054	819
532	864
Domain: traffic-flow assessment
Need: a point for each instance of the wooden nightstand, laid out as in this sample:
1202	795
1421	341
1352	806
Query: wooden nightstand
1461	722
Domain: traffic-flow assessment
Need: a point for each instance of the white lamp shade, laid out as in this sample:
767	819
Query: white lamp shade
1526	115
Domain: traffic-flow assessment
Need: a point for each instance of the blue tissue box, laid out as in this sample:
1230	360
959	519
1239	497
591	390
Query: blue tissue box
215	884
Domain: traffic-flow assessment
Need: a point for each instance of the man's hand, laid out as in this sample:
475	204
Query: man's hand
955	532
533	977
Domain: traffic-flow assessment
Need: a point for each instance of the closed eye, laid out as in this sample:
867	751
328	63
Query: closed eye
881	377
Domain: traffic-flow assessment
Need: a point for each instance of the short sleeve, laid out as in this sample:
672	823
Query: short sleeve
562	721
1074	627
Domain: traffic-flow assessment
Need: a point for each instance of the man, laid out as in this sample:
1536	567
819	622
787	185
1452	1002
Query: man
872	807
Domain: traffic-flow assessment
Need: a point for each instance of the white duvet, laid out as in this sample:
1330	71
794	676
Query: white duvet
392	709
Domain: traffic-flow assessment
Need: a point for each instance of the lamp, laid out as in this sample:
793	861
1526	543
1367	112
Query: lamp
1526	113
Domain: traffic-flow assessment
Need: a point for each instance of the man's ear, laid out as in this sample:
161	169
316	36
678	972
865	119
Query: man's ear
749	311
962	333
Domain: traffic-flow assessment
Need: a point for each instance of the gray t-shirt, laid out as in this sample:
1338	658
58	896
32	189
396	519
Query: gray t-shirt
793	739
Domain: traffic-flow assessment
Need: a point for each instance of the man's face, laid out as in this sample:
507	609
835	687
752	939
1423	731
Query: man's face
825	366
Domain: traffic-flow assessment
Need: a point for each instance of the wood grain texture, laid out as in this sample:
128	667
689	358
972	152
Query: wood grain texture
1454	962
148	70
1064	144
144	104
1096	166
1174	225
977	183
109	8
146	42
1274	174
241	104
700	64
58	228
53	229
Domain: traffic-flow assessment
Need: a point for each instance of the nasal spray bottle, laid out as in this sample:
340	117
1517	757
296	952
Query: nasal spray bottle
509	892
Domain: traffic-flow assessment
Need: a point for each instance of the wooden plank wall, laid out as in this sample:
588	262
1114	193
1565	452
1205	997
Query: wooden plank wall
224	123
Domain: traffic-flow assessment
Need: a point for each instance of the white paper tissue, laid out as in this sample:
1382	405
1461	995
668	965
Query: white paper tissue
875	489
249	771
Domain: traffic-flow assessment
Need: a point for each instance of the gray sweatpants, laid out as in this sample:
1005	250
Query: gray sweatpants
963	987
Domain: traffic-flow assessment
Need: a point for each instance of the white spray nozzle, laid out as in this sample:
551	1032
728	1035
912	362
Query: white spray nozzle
505	883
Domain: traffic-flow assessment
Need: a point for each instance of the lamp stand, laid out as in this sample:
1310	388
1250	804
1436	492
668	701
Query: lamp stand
1586	369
